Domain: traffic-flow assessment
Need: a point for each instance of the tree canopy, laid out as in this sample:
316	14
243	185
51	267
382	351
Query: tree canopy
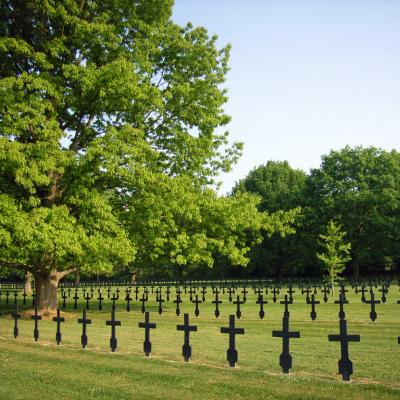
110	116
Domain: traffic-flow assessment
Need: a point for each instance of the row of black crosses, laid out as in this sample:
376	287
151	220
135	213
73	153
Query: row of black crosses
345	365
194	298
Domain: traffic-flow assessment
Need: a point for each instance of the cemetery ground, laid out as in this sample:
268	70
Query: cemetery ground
43	370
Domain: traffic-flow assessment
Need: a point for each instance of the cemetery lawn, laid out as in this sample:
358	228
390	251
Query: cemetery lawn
44	371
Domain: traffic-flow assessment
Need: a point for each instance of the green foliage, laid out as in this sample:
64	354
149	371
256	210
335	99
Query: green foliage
281	189
336	252
359	188
108	143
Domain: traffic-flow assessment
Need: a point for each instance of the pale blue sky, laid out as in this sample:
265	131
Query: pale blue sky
306	76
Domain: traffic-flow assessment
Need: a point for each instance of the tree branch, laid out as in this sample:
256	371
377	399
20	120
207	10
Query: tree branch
24	267
68	271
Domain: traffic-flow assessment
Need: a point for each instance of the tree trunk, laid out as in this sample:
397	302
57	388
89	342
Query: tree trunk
46	285
133	277
28	282
356	270
77	279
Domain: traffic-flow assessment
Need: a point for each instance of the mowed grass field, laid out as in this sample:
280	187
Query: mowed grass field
43	370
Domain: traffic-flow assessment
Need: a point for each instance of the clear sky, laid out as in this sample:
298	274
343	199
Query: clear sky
307	76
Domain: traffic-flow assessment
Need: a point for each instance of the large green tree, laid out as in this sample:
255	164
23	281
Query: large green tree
281	188
99	99
360	188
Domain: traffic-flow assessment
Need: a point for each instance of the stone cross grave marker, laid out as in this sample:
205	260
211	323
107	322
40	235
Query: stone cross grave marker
313	302
59	320
113	323
186	328
178	301
128	300
197	302
373	315
84	321
114	298
232	353
286	302
238	303
147	326
261	302
345	364
76	297
36	317
285	359
216	302
16	315
341	302
100	298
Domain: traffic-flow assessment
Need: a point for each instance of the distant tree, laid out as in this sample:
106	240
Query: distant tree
359	188
336	253
281	188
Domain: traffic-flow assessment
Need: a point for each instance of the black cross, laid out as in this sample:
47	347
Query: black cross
230	291
216	302
84	321
383	290
285	359
186	348
58	319
343	291
108	291
313	313
286	302
244	292
372	314
167	292
24	296
178	301
16	315
232	354
307	291
325	291
160	301
113	323
341	301
87	297
203	292
197	302
100	298
15	297
114	298
36	318
64	296
136	292
275	291
261	302
238	303
362	290
290	292
147	326
76	299
192	291
143	300
7	296
128	300
345	364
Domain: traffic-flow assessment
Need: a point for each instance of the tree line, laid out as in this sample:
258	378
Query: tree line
356	188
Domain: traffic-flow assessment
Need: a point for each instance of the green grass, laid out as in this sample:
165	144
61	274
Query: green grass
43	370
